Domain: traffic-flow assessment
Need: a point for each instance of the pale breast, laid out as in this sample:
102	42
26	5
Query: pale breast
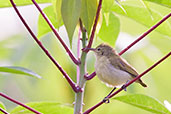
110	75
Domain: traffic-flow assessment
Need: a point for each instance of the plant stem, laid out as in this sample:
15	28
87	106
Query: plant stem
19	103
80	95
78	54
56	34
126	85
72	84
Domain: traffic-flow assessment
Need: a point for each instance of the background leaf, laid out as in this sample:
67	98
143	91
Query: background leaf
141	15
19	70
166	3
43	27
144	102
107	4
57	6
71	10
45	108
88	12
110	28
6	3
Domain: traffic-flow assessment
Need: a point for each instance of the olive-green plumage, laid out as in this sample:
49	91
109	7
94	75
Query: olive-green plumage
113	69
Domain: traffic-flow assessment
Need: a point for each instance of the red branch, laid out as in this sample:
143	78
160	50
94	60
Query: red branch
3	111
126	85
94	27
21	104
89	77
56	34
72	84
145	34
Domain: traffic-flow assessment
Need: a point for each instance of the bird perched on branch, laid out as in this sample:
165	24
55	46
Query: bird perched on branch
112	69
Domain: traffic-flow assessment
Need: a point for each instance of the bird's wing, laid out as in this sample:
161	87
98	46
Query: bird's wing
124	65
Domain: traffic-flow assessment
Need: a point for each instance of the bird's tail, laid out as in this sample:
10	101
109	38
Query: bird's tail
142	83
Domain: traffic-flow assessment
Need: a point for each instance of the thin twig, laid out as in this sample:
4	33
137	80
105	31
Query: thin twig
3	111
19	103
72	84
94	27
89	77
145	34
56	34
126	85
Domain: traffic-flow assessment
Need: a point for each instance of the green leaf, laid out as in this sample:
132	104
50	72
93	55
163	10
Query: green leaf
2	106
57	6
107	4
44	108
88	12
141	15
166	3
144	102
71	10
110	28
6	3
19	70
43	27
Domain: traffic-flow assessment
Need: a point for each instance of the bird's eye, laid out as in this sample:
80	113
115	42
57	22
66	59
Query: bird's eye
98	49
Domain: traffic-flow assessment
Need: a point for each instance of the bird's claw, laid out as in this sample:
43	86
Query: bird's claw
106	100
124	87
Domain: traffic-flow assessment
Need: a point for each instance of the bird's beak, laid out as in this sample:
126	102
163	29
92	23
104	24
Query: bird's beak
92	49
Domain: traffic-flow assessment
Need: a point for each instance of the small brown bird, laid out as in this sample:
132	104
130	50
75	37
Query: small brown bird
112	69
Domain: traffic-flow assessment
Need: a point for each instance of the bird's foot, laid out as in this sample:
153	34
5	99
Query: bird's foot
124	87
106	100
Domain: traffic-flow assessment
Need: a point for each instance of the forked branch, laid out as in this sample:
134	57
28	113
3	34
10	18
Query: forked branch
56	34
72	84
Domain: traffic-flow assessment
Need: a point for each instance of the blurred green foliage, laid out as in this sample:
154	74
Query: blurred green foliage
21	50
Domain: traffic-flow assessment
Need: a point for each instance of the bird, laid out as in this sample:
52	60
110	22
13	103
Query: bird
112	69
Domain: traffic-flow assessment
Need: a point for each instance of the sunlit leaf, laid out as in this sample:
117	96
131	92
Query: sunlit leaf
43	27
141	15
18	70
44	108
110	28
6	3
88	12
144	102
57	8
166	3
107	4
70	13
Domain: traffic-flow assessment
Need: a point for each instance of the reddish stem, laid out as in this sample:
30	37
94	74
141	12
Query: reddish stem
56	34
3	111
21	104
94	27
145	34
89	77
72	84
126	85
